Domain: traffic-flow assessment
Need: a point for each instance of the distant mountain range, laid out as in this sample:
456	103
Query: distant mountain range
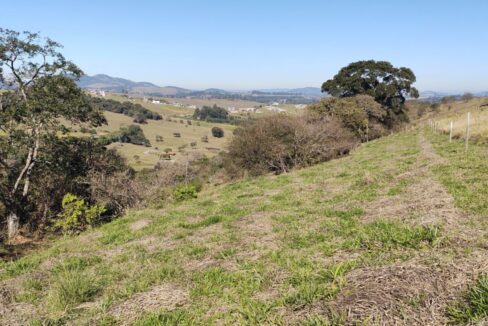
121	85
298	95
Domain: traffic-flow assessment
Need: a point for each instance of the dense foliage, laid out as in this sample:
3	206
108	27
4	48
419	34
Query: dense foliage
136	111
212	114
217	132
361	114
280	143
132	134
388	85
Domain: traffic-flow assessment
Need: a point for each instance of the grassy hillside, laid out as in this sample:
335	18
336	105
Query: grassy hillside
395	233
457	113
148	156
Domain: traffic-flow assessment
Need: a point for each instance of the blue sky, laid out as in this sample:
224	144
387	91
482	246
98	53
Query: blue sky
263	44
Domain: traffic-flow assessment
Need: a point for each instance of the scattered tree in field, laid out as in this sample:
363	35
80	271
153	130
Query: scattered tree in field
467	97
204	139
211	113
177	134
217	132
448	99
159	138
388	85
132	134
41	92
435	106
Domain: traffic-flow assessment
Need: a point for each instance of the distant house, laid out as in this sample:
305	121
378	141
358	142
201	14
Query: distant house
274	109
156	102
275	104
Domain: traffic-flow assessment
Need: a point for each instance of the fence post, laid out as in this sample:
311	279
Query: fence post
450	132
467	132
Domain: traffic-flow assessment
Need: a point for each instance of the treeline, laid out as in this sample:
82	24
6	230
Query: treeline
136	111
217	114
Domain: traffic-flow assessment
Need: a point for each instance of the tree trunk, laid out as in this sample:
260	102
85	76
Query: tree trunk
12	226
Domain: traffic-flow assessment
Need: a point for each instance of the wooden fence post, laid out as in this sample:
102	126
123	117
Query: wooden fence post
450	132
467	132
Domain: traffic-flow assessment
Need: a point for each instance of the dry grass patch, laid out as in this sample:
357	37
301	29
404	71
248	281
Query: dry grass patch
165	296
406	294
139	224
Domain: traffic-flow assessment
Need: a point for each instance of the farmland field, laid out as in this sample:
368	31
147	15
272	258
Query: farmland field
146	157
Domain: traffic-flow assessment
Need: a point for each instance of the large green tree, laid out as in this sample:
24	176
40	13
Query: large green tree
39	95
388	85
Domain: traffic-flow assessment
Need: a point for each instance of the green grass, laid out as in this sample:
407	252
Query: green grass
465	174
266	250
474	305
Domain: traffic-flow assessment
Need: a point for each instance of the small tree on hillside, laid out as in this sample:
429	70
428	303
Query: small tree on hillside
217	132
467	96
388	85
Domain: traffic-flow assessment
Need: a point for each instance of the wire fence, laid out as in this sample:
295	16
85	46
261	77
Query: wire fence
472	125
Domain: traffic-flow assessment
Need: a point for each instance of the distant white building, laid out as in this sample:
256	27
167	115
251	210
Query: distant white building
274	109
97	92
275	104
156	102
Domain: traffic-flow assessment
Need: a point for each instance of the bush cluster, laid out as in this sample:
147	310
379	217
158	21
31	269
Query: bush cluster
330	128
132	134
136	111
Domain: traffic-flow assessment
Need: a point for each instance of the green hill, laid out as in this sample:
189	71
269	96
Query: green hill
395	233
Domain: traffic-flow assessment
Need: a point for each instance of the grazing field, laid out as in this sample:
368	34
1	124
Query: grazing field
225	103
146	157
457	113
395	233
165	110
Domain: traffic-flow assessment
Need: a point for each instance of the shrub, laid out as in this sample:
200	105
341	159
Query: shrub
361	114
184	192
279	143
217	132
204	139
176	134
435	106
131	134
77	215
137	111
211	113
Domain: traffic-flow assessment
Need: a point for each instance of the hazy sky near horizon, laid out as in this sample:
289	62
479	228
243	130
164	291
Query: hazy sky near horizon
263	44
